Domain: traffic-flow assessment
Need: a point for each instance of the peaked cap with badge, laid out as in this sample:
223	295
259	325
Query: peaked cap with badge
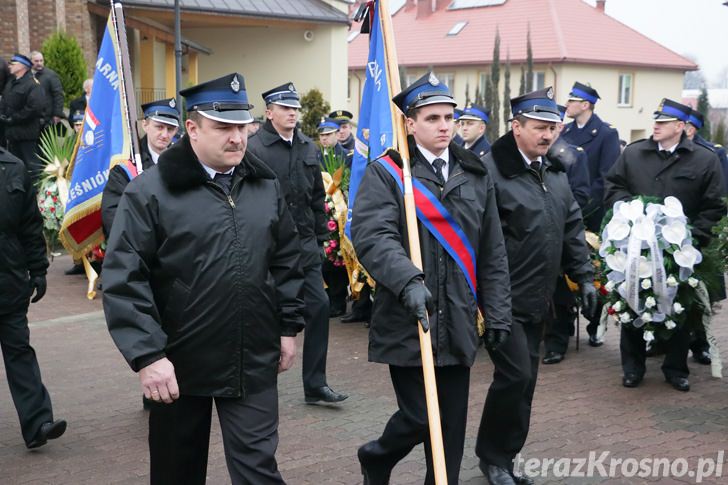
582	92
327	125
341	116
670	110
537	105
283	95
425	91
164	111
223	99
696	119
20	59
475	112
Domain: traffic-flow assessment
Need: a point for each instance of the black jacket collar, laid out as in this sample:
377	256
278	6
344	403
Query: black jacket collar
685	144
181	170
510	161
268	135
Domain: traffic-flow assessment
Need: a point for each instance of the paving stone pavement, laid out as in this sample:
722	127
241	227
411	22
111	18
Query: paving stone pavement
580	407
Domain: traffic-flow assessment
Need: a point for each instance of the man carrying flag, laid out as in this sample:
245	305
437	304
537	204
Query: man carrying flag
465	266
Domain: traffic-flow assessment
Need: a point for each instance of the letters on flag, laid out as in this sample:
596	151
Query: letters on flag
104	142
375	132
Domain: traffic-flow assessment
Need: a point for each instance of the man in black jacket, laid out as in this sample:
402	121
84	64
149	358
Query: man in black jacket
544	232
21	111
161	122
345	134
667	163
473	121
446	289
52	87
201	284
294	158
23	266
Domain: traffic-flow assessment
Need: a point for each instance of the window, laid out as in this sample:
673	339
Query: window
448	79
539	80
625	90
409	79
457	28
484	77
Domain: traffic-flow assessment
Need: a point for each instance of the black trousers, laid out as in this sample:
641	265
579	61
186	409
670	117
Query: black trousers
179	438
507	409
316	334
560	326
27	152
337	282
633	351
30	396
408	427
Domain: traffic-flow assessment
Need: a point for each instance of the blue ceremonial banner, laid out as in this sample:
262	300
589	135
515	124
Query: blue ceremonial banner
375	131
104	142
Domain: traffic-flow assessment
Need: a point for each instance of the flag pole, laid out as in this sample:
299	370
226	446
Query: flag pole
128	96
428	367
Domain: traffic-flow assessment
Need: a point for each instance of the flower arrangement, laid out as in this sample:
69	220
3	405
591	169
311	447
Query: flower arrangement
332	246
648	263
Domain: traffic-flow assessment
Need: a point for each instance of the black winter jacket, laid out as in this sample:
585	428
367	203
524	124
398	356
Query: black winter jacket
379	234
208	280
53	90
23	251
23	101
299	173
542	227
692	174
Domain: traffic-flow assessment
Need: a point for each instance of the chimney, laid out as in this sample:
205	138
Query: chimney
600	5
425	8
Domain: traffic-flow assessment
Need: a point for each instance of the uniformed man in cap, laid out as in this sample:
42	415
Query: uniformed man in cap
458	179
473	121
561	326
601	143
21	113
294	158
544	235
456	132
160	125
328	131
201	283
667	163
345	134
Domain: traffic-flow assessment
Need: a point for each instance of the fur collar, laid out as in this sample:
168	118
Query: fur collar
181	170
509	160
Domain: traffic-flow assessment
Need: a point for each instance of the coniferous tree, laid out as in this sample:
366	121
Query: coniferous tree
478	97
529	61
467	94
494	106
313	108
720	137
704	108
522	87
507	91
63	54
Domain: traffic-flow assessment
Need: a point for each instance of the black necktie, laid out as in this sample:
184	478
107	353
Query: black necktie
224	180
536	165
437	164
665	154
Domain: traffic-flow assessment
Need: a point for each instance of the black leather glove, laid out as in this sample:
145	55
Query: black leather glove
494	338
417	299
588	299
38	284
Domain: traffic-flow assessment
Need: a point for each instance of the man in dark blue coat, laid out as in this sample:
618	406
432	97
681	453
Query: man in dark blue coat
601	143
576	163
473	121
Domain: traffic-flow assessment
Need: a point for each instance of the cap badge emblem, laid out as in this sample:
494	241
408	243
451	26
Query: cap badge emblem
172	103
433	80
550	93
235	84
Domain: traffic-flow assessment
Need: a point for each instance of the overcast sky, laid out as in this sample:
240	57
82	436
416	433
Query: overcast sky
695	28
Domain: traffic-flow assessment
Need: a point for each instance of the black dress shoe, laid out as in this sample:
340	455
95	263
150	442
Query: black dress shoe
496	475
702	357
594	341
354	317
74	270
679	383
373	474
522	480
552	357
48	431
631	380
335	312
325	394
